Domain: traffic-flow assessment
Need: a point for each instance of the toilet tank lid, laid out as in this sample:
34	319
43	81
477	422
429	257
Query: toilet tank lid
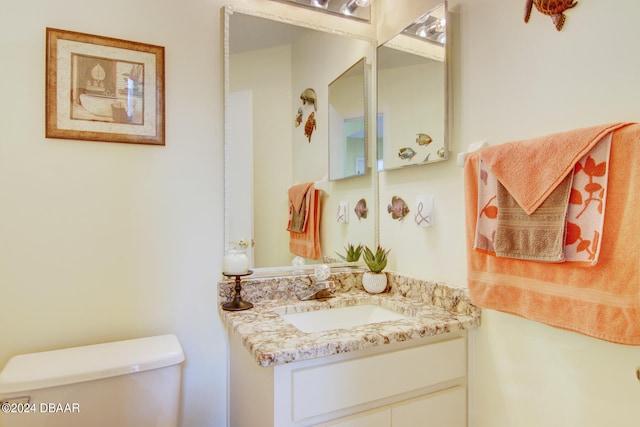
78	364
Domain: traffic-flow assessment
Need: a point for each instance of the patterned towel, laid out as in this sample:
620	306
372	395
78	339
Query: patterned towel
601	300
585	213
299	204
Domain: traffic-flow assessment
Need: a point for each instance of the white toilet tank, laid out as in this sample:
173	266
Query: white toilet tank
134	383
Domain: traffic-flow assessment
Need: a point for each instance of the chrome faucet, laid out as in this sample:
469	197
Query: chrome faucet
313	289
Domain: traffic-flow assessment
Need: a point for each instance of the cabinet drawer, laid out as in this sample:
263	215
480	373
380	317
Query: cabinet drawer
336	386
376	418
447	408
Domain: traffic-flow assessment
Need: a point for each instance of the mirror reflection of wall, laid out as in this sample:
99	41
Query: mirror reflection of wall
261	67
275	62
348	124
412	95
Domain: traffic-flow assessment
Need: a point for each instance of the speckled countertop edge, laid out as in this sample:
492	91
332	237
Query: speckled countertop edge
431	309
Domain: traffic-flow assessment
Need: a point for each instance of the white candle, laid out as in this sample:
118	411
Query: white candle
235	262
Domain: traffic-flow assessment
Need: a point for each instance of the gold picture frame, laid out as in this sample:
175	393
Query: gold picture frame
104	89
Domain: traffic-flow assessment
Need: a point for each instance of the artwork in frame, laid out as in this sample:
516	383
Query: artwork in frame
104	89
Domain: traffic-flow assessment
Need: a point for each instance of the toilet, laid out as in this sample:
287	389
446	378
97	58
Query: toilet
133	383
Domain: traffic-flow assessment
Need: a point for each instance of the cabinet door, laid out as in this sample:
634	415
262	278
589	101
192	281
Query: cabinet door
447	408
374	418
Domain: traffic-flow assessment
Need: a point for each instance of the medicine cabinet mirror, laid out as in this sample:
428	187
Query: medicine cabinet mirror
348	124
412	94
269	61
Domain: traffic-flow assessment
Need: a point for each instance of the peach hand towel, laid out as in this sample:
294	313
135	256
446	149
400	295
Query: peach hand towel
531	169
602	301
299	203
307	243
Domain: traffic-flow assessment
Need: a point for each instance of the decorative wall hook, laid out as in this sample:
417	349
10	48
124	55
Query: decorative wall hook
342	216
424	211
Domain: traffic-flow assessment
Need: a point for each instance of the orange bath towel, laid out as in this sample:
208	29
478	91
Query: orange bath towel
601	301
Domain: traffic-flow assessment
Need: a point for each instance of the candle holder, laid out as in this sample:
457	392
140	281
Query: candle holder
237	304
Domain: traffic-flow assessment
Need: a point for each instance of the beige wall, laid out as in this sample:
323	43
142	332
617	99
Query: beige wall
518	80
270	83
319	59
513	80
103	241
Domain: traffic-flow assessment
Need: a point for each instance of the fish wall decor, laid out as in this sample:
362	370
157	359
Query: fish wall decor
361	209
398	208
309	126
298	119
406	153
423	139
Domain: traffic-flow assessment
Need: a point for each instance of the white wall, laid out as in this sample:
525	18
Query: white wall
104	241
519	80
511	81
272	166
313	69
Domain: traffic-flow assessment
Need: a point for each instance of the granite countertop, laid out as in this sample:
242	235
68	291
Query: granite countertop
431	309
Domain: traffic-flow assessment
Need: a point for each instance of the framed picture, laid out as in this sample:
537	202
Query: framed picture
104	89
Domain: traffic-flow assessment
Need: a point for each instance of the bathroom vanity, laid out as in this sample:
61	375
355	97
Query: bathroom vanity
397	372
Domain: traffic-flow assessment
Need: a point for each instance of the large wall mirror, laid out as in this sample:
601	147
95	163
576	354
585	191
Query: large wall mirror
412	94
270	62
348	122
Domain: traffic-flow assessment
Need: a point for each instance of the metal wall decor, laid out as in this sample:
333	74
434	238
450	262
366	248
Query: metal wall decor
309	107
361	209
398	208
553	8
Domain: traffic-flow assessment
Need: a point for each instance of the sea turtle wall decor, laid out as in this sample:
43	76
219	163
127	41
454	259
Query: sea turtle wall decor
553	8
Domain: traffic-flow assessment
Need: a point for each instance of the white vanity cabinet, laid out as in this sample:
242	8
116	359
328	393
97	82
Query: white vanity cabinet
441	409
415	383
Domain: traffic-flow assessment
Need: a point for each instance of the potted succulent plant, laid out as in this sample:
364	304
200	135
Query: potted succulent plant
375	281
352	254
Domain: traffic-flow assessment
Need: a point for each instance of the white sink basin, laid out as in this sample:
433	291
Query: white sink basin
340	318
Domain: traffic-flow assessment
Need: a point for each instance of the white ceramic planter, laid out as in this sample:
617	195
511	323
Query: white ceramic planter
374	283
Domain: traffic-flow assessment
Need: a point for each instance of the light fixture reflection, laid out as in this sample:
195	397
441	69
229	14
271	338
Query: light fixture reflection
429	28
350	6
356	9
423	18
320	3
